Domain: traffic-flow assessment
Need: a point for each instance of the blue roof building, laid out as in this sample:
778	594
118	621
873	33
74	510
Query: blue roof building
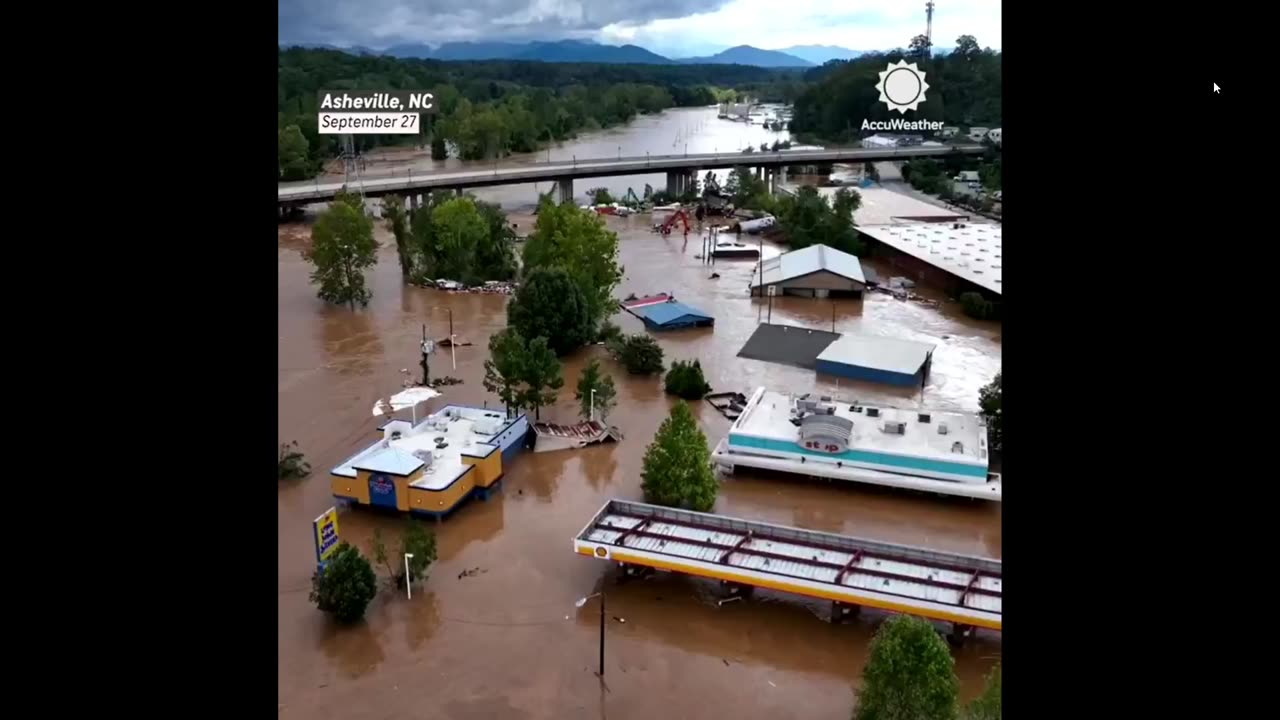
670	315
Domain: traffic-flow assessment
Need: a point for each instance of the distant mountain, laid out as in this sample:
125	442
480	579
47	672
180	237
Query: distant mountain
819	54
475	51
747	55
575	51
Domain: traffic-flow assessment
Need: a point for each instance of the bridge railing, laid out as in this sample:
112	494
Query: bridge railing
648	159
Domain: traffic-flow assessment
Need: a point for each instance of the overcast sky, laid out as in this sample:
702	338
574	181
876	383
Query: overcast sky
669	27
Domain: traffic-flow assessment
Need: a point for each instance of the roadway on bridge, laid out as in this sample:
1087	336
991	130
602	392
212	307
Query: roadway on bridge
383	184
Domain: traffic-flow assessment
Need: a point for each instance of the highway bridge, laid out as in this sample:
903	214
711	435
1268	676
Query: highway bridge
680	170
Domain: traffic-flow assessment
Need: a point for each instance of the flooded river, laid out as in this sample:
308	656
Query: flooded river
506	641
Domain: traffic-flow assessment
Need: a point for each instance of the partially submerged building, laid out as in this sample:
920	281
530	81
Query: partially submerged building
662	312
955	257
816	271
877	359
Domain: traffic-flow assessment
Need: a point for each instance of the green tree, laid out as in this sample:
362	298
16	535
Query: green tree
345	586
381	556
549	304
291	463
910	674
685	380
677	464
421	543
966	47
505	367
605	395
495	259
869	169
439	150
989	399
580	243
987	705
600	196
919	47
294	154
458	230
640	354
342	246
398	220
808	219
745	188
540	373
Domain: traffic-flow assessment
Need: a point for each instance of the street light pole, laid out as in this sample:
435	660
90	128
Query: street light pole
408	585
581	603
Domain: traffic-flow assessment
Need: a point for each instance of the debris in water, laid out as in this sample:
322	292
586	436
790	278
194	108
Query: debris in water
621	620
714	276
471	573
771	684
726	662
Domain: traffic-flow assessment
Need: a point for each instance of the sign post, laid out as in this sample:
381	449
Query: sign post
324	531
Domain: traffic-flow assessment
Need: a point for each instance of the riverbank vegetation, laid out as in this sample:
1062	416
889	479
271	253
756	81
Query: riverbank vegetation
807	218
677	464
455	238
342	246
493	108
964	91
990	398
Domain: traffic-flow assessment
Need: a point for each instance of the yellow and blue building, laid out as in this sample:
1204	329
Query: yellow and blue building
433	467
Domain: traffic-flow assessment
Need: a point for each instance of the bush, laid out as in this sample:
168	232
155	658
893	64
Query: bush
600	196
910	674
686	380
345	586
439	151
978	307
609	333
677	464
990	398
987	705
291	465
640	354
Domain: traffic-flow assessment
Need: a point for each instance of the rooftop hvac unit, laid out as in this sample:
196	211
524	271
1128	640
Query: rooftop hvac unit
942	428
873	412
924	417
895	428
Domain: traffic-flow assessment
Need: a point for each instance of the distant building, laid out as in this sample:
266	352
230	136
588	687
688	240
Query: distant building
994	136
880	141
949	131
976	134
817	271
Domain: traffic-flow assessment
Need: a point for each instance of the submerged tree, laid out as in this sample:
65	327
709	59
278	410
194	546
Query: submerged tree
677	464
685	380
990	399
398	221
987	705
551	305
291	463
345	585
640	354
595	394
293	153
419	542
342	246
910	675
579	242
540	373
505	367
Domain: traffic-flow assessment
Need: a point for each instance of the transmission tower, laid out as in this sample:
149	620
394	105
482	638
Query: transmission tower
928	29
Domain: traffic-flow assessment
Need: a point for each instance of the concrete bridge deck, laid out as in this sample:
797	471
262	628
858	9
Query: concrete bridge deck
409	182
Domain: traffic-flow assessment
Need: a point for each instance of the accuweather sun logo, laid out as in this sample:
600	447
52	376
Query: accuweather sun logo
902	86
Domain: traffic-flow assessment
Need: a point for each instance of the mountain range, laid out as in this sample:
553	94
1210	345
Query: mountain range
800	56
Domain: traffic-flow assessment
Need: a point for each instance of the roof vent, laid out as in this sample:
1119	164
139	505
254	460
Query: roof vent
873	412
895	428
942	428
957	447
924	417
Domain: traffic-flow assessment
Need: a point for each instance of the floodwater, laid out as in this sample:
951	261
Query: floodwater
506	641
674	132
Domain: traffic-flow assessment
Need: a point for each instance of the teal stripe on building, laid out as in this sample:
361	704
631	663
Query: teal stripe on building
864	456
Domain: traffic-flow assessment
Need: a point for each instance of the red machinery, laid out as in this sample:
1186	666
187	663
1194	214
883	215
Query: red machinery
671	221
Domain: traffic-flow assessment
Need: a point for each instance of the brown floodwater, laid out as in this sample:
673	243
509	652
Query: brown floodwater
506	641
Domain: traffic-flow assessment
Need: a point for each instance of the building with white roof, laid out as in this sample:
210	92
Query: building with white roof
877	359
953	256
815	271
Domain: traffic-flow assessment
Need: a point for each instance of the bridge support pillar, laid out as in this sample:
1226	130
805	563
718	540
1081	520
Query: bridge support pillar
414	202
564	190
673	183
843	612
457	192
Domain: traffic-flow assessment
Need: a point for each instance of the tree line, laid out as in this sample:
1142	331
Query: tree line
964	90
491	108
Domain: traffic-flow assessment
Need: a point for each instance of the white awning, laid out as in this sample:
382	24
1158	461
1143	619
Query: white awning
406	398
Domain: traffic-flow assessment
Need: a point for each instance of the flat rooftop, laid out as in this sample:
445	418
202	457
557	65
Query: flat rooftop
957	580
457	426
971	251
964	441
885	207
880	353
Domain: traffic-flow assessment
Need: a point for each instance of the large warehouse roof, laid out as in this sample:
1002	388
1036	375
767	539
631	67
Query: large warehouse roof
809	260
969	251
878	353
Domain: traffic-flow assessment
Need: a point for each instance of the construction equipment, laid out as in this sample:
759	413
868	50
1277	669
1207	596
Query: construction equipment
630	199
668	225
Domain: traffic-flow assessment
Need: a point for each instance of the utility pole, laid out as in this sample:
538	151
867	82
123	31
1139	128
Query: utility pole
928	29
426	362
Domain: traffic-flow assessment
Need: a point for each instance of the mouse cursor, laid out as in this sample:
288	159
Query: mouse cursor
1215	88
